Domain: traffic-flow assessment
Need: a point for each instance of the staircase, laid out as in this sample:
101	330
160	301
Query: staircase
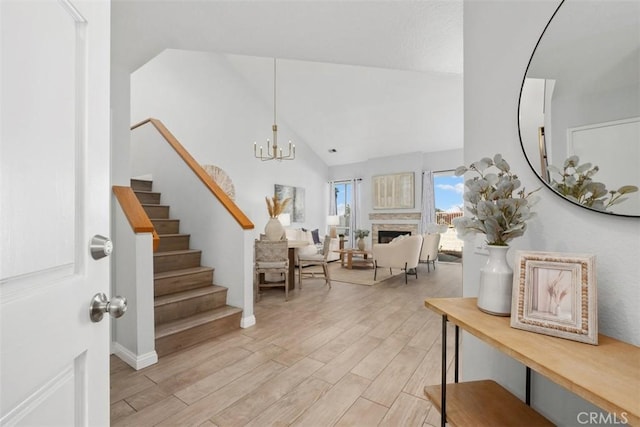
189	308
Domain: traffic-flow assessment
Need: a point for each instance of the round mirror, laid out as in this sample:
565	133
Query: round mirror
579	108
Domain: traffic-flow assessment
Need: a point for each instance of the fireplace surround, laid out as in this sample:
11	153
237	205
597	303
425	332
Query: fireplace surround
405	228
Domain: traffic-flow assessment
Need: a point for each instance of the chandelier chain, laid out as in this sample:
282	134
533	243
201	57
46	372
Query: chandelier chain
273	152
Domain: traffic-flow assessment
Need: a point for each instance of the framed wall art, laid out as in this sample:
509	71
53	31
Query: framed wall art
555	294
296	207
394	191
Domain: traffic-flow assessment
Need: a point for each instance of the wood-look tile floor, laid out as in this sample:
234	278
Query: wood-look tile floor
352	355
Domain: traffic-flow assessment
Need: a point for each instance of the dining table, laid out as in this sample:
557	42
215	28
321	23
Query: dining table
293	245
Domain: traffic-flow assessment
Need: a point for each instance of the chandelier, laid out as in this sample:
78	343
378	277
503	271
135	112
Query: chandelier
274	152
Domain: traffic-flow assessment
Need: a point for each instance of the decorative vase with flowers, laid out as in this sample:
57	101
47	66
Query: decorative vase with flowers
274	229
500	211
360	235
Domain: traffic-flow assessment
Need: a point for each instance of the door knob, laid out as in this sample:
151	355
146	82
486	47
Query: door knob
101	305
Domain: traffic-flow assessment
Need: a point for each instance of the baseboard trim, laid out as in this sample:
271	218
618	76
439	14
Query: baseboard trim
248	321
137	362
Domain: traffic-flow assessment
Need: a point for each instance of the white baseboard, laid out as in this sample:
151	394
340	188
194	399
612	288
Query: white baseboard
248	321
137	362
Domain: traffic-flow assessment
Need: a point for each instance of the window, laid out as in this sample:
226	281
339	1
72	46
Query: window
342	191
448	190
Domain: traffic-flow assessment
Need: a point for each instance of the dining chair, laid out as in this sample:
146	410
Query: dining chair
270	257
315	260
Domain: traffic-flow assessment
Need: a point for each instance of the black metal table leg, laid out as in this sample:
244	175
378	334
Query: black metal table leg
527	397
443	387
457	358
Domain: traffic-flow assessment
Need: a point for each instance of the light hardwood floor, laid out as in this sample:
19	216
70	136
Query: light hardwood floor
352	355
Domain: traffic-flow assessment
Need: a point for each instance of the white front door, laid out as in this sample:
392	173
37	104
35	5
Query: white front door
54	196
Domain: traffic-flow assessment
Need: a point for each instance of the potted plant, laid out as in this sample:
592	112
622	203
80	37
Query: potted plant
575	182
360	235
274	229
500	210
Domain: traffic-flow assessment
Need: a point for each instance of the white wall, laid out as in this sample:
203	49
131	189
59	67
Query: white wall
211	108
499	37
532	118
133	335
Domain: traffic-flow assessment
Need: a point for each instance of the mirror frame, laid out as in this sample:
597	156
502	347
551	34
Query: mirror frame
533	169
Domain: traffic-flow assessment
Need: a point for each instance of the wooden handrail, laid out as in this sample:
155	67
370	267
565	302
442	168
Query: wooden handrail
215	189
133	210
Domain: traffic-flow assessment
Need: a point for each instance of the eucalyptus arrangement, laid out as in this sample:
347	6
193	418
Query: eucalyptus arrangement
275	206
361	234
500	209
575	183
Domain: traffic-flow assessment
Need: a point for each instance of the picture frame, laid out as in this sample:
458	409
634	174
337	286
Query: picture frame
296	207
394	191
555	294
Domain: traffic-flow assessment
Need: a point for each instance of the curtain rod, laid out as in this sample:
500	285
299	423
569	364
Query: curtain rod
440	171
345	180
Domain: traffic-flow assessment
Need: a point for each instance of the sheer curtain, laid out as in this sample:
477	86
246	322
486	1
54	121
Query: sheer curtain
428	200
333	209
355	210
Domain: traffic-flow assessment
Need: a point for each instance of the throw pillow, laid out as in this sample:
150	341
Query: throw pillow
398	238
316	236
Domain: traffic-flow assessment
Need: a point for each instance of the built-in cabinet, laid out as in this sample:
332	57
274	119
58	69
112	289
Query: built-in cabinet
607	375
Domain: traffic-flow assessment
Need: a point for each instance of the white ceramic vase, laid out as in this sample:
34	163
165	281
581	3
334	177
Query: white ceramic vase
496	282
361	243
274	230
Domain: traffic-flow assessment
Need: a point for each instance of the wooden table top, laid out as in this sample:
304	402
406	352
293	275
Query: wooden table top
353	251
607	375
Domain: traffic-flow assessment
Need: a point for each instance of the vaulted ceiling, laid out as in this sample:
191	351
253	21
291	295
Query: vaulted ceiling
368	78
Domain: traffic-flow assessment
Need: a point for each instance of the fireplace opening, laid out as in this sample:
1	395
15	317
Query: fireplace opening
385	236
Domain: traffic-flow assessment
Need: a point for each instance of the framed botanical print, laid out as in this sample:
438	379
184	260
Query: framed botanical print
555	294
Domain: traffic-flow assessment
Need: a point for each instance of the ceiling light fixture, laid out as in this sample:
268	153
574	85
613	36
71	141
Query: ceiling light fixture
274	152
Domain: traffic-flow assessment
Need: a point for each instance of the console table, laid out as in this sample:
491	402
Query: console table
607	375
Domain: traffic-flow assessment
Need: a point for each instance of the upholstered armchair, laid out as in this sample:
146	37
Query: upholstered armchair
430	246
401	252
316	243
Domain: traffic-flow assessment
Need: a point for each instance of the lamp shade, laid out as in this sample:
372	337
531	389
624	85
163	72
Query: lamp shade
285	219
333	220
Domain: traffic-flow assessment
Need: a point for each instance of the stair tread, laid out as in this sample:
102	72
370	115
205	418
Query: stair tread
155	205
174	235
141	181
185	295
181	272
180	325
177	252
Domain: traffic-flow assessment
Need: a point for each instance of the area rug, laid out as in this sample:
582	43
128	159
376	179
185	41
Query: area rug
450	256
359	275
